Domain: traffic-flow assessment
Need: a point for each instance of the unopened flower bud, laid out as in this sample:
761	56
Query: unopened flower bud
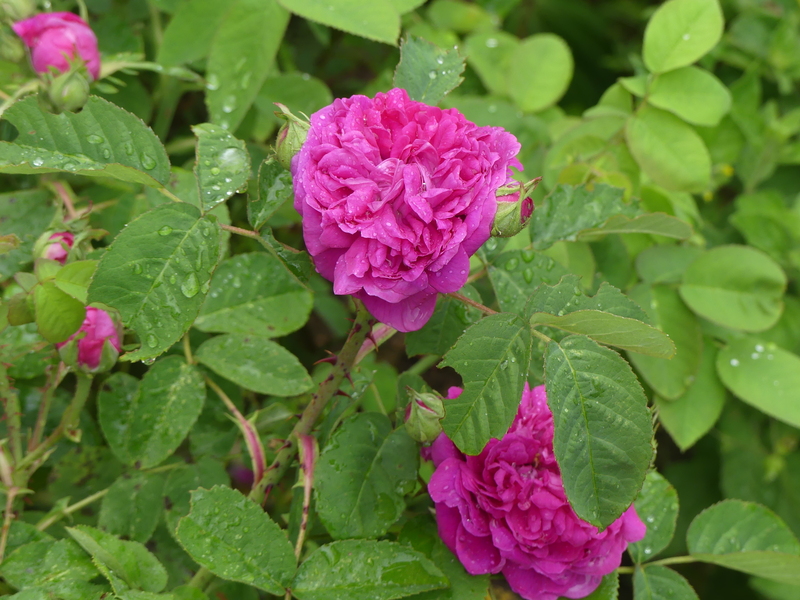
16	10
58	40
290	137
423	413
69	91
95	347
514	208
11	48
55	246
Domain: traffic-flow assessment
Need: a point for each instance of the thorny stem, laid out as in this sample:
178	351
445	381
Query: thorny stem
44	407
65	197
11	494
240	231
341	369
68	510
468	301
13	414
325	391
69	421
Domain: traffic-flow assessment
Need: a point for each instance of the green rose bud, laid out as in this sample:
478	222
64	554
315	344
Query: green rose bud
423	413
68	91
290	137
16	10
514	208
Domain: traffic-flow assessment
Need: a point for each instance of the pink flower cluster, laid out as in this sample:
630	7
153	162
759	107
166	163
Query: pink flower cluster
97	328
56	38
396	196
505	510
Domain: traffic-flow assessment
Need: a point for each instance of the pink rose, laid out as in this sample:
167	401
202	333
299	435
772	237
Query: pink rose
59	245
396	196
56	38
98	327
505	510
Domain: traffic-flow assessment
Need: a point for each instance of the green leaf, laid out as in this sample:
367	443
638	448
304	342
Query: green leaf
680	32
735	286
669	378
362	475
603	430
190	31
609	317
235	539
132	507
68	589
100	141
255	294
25	213
746	537
668	150
58	315
693	94
690	416
665	264
241	56
492	358
427	72
274	189
365	570
222	165
608	588
206	473
376	20
655	582
74	278
127	565
540	69
448	322
144	424
255	363
657	506
651	224
47	561
569	210
764	376
157	272
299	91
490	53
517	274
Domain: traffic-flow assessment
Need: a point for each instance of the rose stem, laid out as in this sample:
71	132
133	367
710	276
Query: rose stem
341	369
13	414
469	302
53	381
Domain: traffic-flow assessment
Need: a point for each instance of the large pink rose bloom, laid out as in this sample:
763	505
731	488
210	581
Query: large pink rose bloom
97	327
396	196
56	38
505	510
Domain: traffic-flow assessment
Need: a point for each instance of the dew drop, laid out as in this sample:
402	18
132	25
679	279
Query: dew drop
512	264
432	74
229	104
148	361
527	274
106	153
190	286
148	162
128	147
165	230
215	171
492	43
759	348
686	37
94	139
37	162
734	362
440	60
137	268
152	341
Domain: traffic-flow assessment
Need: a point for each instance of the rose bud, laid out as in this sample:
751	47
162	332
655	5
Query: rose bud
291	136
423	413
514	208
95	347
15	10
57	38
395	196
68	91
56	246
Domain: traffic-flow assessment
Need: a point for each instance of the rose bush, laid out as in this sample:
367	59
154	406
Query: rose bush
396	196
57	38
505	510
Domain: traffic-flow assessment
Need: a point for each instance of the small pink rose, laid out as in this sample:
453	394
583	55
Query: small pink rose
98	327
56	38
59	246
